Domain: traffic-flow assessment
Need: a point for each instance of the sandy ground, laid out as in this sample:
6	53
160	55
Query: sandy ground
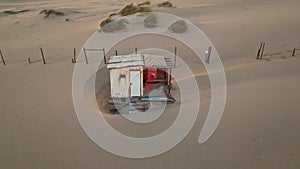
260	126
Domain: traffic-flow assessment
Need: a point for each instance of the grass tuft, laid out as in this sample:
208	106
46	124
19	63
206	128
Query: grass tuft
144	3
129	9
165	4
106	21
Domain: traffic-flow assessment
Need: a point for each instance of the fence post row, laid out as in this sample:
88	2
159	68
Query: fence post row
259	55
103	50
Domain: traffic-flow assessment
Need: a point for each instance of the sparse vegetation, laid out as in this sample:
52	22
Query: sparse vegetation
165	4
150	21
49	12
145	9
144	3
106	21
132	9
128	10
116	26
113	14
178	27
15	12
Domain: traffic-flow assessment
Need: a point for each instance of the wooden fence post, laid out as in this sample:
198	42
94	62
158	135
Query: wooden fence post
43	56
29	61
74	55
104	55
135	50
3	61
170	77
116	52
294	52
262	51
258	52
208	54
175	55
86	59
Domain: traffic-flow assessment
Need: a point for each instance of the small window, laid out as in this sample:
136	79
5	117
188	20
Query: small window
122	76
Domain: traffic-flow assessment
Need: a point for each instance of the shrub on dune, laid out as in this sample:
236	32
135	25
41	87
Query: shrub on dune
127	10
165	4
150	21
106	21
49	12
178	27
144	3
117	25
132	9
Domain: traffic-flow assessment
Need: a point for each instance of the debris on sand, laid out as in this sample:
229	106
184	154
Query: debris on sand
150	21
178	27
52	12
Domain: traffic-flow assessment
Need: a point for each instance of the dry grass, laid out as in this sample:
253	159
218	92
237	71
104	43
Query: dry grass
165	4
144	3
132	9
106	21
128	10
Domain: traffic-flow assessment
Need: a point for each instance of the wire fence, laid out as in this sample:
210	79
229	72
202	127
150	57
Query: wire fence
51	55
261	52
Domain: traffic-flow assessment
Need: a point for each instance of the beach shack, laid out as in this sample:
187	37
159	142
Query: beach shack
126	76
135	75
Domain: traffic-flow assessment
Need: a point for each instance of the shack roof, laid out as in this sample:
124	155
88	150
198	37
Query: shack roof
133	60
125	61
155	61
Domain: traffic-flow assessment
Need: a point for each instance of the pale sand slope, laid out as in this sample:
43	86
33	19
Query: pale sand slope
260	127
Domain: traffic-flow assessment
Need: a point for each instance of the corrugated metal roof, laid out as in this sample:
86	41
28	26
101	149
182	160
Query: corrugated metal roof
146	60
125	64
155	61
126	58
125	61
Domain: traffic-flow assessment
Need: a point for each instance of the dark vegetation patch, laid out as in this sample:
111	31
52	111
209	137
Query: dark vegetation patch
131	9
165	4
52	12
12	12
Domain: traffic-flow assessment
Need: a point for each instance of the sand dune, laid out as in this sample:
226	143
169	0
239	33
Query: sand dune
260	126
